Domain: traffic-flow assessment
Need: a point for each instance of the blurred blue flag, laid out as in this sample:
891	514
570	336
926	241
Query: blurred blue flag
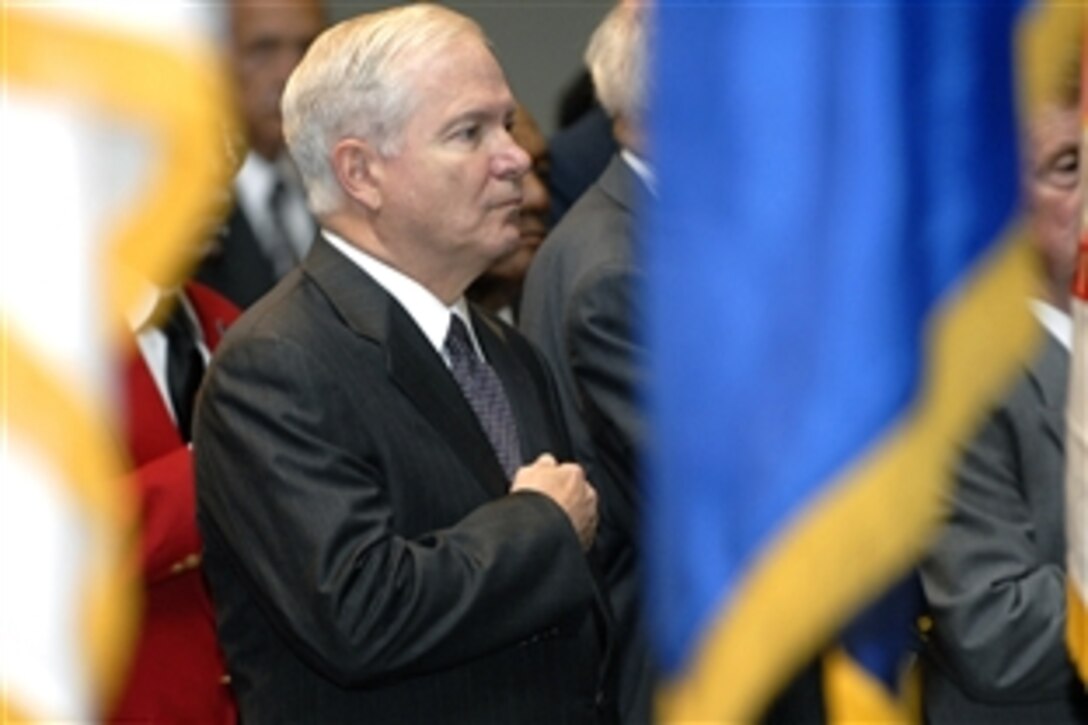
834	290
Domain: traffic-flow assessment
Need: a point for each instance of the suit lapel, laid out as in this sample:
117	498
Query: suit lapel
213	318
1051	373
420	373
620	182
150	429
412	363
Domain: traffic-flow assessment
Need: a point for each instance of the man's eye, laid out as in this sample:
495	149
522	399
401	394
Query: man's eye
468	134
1064	170
261	49
1067	162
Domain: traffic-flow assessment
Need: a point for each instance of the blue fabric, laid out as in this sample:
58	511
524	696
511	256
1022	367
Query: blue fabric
827	172
879	637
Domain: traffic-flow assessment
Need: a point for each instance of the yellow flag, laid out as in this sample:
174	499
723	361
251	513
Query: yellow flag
111	138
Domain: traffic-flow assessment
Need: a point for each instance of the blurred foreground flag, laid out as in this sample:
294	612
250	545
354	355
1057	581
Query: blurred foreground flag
111	139
835	288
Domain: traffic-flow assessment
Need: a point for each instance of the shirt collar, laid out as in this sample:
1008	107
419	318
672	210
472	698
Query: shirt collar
430	314
641	168
255	179
1057	322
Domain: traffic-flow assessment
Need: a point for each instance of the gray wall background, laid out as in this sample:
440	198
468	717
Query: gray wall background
539	42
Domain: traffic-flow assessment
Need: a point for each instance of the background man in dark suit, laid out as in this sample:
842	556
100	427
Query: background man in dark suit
268	228
995	580
578	306
362	426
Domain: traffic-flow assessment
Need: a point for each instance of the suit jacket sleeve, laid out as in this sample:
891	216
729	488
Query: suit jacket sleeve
606	361
292	482
998	607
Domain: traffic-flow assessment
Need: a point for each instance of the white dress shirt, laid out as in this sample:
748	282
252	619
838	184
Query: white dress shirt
253	189
1057	322
151	340
430	314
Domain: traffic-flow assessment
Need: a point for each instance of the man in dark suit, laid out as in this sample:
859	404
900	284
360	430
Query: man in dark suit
389	535
579	307
268	228
995	579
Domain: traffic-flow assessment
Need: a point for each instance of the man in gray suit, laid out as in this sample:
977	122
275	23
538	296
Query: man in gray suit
995	581
578	306
389	536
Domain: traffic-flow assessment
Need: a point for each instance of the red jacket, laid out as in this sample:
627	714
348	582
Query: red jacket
177	673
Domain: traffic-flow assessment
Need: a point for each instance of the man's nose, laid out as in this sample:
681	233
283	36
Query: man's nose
510	160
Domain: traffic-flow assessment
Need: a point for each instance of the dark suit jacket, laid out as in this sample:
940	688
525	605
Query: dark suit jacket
579	307
366	561
995	580
578	155
177	670
237	266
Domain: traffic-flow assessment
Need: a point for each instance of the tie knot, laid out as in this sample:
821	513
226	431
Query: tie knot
277	194
458	342
171	316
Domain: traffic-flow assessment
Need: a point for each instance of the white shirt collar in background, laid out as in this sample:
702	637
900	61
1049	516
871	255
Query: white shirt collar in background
1057	323
151	340
253	186
641	168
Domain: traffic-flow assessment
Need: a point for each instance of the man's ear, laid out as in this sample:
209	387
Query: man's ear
353	162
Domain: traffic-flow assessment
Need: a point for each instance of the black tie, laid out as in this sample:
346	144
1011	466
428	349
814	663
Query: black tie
485	394
281	253
184	366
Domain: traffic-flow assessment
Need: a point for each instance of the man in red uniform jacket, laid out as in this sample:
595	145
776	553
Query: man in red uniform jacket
177	673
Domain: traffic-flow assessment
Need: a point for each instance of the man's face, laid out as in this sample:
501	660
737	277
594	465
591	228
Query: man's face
451	195
1053	189
535	202
267	42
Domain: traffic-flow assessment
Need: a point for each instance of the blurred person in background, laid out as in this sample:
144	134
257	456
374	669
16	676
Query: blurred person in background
995	580
177	672
269	228
499	288
582	147
578	306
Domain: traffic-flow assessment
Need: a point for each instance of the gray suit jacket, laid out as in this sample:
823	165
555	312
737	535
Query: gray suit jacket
365	559
579	307
995	580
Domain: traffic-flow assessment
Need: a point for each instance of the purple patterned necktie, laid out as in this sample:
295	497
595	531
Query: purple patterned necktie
484	392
